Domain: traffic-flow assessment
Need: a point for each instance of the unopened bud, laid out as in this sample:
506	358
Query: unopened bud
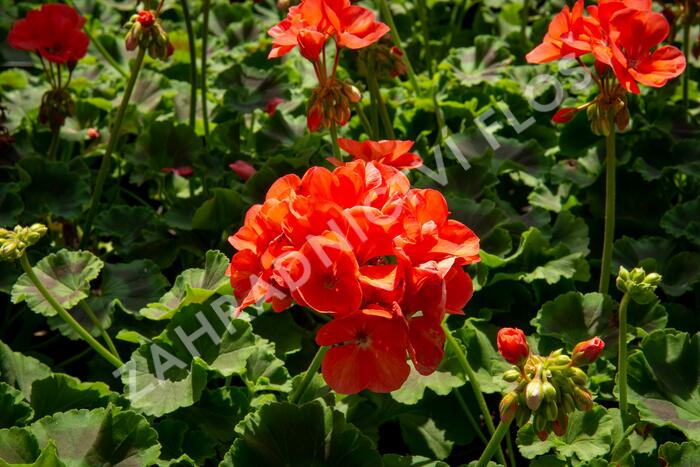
551	411
583	399
587	352
540	422
578	376
522	415
511	376
549	392
560	360
561	425
508	407
533	394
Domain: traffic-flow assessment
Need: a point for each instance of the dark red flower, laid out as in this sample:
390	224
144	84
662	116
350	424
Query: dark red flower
243	169
513	345
54	31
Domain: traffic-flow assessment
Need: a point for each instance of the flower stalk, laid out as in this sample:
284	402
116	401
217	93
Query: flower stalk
476	387
622	355
65	316
193	61
205	46
111	144
309	375
609	229
494	444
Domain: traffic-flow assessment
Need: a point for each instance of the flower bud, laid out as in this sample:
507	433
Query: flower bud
533	394
542	435
578	376
549	392
146	18
583	399
513	345
587	352
559	360
561	425
540	422
638	284
551	411
511	376
568	404
508	407
522	415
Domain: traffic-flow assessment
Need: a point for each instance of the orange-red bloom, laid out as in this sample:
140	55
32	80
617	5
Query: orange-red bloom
388	152
587	351
513	345
357	243
310	24
54	31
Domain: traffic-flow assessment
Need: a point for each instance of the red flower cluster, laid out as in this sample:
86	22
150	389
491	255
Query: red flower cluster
54	31
621	35
310	24
359	244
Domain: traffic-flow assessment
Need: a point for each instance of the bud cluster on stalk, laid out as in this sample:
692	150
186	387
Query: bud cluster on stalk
147	32
330	102
638	284
615	101
56	106
14	242
388	59
547	389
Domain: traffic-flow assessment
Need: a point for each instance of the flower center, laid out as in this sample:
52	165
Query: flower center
363	341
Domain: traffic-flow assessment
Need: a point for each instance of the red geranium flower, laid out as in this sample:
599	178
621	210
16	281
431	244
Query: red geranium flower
513	345
562	38
388	152
587	351
54	31
636	34
369	352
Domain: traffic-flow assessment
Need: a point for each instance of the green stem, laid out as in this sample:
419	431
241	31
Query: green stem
376	94
476	387
365	123
386	13
65	316
373	106
53	147
524	16
193	61
686	74
468	413
111	144
494	443
96	322
308	376
511	451
423	15
622	355
334	141
205	38
609	233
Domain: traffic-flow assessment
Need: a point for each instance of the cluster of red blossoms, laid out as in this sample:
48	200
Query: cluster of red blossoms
309	26
622	35
54	31
360	245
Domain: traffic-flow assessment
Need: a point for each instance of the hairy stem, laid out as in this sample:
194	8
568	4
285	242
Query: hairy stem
494	444
193	61
205	39
609	233
96	322
622	355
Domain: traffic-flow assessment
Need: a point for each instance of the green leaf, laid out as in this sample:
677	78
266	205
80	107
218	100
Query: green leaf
680	455
589	436
218	412
311	435
18	446
191	286
664	380
60	393
220	212
66	274
684	221
574	317
21	371
395	460
681	274
57	188
424	437
106	437
479	338
14	409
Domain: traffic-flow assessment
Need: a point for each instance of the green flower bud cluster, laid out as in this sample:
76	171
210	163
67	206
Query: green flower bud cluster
548	389
638	284
14	242
147	32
